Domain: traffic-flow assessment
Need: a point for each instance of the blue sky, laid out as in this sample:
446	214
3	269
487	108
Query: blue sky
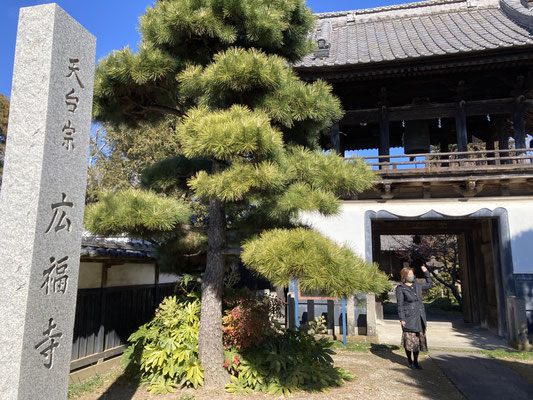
114	23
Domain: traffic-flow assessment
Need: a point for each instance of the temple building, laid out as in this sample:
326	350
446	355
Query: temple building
438	99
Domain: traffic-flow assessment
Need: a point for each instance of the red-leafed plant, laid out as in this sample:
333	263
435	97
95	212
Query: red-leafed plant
248	319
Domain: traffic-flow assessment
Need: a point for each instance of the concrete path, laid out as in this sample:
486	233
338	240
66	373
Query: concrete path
445	335
481	378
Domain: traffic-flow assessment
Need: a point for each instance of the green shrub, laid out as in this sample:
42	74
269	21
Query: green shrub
316	327
164	352
286	363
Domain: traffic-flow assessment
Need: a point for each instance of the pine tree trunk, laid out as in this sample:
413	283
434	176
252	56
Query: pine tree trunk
210	345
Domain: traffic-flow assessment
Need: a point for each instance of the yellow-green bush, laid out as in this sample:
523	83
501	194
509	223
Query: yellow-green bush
164	352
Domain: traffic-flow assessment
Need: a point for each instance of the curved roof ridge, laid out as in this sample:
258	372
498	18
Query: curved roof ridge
406	6
519	11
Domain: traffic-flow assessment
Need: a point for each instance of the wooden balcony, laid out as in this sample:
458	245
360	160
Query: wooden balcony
453	174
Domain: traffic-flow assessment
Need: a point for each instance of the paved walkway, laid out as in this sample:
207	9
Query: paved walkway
481	378
476	376
445	335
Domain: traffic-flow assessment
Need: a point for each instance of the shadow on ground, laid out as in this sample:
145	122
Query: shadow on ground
429	381
123	388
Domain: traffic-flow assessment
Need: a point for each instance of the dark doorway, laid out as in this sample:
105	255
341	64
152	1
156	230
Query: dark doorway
479	257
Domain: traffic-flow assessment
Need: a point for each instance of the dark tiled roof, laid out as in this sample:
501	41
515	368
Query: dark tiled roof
94	246
415	30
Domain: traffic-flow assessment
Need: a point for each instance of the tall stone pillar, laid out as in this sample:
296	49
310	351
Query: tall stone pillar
42	201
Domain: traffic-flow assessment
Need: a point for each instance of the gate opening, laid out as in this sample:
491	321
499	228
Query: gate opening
472	244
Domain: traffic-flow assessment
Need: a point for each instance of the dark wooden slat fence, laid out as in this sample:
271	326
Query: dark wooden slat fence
106	317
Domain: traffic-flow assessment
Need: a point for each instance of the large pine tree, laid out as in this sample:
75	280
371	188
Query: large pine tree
248	157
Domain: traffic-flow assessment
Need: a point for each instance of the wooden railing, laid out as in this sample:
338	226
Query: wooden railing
511	159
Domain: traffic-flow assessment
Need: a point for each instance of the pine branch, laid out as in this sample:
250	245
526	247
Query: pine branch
164	110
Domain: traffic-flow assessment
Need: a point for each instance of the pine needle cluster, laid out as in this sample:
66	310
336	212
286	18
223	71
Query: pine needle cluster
318	263
140	213
264	83
132	87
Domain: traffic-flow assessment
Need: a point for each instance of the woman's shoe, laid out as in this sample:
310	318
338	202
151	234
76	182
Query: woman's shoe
410	365
417	366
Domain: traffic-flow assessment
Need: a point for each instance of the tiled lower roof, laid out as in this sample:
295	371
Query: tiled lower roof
416	30
96	246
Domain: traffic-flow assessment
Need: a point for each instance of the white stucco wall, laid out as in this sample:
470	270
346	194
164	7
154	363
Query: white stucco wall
349	226
168	278
131	274
90	276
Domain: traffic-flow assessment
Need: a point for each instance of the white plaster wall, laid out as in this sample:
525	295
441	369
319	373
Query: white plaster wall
168	278
349	226
90	275
131	274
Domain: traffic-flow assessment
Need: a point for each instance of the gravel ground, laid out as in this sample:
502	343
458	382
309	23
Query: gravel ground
381	374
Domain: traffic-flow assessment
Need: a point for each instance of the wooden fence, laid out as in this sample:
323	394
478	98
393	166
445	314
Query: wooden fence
106	317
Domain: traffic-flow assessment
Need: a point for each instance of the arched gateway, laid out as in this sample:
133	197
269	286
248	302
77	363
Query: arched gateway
447	85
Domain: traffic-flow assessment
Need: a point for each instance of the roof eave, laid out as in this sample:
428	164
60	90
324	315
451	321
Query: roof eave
484	59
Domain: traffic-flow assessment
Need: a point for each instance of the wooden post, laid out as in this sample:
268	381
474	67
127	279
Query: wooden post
519	129
100	341
518	123
460	126
310	311
156	285
503	139
330	323
290	312
384	136
336	138
490	150
444	148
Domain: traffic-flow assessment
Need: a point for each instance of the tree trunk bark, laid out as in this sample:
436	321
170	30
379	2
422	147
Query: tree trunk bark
452	287
211	350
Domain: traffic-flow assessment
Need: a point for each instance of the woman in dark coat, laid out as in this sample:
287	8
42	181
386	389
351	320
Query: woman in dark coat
412	313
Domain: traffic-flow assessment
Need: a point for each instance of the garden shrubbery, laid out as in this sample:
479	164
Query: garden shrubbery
248	319
287	362
164	352
259	355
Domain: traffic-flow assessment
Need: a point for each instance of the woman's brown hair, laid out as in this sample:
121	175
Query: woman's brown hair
404	272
